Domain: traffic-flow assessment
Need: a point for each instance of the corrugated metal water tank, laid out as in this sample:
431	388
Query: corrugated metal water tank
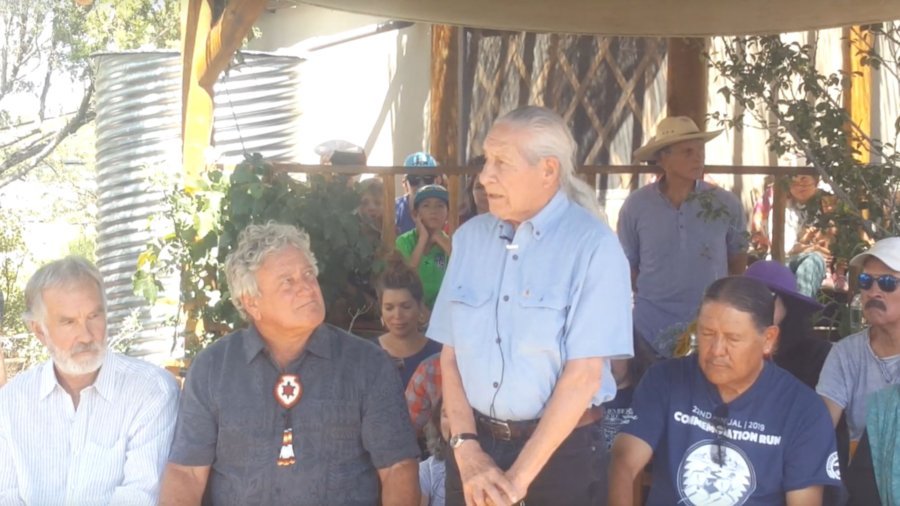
138	128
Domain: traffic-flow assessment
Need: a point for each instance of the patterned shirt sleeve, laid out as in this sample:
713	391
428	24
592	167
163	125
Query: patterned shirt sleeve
423	391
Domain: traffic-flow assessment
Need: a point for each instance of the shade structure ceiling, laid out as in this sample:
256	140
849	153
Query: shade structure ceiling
669	18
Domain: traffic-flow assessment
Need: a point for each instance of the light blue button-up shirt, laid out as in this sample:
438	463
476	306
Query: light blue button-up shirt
516	304
677	253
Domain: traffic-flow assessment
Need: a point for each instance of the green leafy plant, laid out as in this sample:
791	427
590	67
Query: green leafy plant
777	87
773	83
203	228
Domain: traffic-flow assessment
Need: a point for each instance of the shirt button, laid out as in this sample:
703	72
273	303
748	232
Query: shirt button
498	340
496	385
505	298
515	257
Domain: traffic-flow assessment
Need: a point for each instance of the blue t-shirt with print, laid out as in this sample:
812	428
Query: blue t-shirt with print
775	437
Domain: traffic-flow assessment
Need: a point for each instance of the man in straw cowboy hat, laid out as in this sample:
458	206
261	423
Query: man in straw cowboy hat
678	233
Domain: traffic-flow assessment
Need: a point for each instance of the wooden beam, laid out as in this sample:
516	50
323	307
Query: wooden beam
443	126
858	99
228	35
196	101
298	168
779	207
206	52
388	225
687	78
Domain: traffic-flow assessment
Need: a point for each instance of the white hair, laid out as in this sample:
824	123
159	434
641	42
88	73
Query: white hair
255	243
551	137
63	273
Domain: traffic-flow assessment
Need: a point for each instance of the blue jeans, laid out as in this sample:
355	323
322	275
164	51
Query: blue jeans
568	478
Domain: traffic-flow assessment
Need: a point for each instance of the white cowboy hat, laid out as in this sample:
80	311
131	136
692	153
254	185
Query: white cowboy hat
670	131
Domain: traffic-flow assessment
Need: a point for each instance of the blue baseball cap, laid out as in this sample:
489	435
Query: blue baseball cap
420	159
429	191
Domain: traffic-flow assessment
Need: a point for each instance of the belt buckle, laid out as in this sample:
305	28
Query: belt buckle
507	431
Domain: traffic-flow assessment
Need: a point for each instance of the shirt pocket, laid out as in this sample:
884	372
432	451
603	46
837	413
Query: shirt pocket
473	314
103	463
542	323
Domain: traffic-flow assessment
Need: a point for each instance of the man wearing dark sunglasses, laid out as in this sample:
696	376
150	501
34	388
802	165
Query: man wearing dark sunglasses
411	183
868	361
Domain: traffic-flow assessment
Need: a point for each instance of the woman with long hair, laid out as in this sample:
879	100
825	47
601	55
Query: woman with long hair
403	314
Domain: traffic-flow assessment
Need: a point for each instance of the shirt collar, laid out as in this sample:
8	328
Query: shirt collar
698	184
544	220
48	379
319	343
104	384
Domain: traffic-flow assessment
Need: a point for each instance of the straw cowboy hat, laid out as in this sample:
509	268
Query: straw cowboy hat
669	131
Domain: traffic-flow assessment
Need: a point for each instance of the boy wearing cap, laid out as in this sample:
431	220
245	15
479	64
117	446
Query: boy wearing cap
427	246
411	183
679	233
868	361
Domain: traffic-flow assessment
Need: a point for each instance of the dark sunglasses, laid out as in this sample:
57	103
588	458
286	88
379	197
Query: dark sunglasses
886	282
720	422
418	180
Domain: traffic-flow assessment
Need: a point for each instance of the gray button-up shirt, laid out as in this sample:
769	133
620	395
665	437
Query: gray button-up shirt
677	253
351	420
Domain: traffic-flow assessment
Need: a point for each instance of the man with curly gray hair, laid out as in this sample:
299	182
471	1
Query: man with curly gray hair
289	410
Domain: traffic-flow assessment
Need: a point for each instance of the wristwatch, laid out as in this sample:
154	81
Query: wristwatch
457	440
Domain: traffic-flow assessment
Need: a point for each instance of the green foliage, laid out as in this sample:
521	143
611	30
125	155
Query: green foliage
205	224
776	86
12	258
46	76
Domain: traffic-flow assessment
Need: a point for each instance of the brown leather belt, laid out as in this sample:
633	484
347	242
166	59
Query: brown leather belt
522	429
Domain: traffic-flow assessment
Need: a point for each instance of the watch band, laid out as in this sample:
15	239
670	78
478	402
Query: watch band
457	440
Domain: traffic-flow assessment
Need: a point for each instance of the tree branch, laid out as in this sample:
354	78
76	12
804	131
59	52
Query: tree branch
35	154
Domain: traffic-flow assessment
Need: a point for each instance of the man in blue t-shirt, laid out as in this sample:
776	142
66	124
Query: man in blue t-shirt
727	426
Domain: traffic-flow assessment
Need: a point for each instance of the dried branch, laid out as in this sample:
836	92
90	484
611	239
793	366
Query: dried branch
35	154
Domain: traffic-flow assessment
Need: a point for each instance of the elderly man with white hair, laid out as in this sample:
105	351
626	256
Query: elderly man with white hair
289	410
89	426
533	305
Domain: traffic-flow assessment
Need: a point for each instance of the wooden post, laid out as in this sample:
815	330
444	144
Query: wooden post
206	51
388	230
779	204
858	98
454	189
687	79
196	101
443	126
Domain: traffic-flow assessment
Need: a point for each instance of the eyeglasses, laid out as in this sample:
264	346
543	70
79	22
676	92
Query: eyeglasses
720	422
418	180
886	282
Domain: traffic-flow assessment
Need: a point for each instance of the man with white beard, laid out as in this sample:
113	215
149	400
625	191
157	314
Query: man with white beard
88	426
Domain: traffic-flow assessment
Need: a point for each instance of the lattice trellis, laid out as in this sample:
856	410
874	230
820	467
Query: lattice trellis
596	83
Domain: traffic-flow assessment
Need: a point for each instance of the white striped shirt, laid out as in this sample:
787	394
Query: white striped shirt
111	450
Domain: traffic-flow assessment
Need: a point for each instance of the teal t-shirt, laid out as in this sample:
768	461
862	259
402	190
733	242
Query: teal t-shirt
431	268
